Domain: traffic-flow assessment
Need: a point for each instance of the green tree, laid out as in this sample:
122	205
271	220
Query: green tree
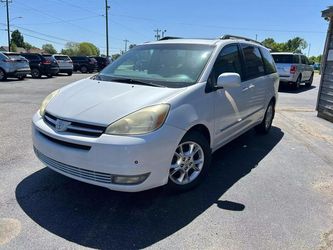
49	48
13	47
131	46
71	49
17	38
27	46
115	56
83	49
296	44
88	49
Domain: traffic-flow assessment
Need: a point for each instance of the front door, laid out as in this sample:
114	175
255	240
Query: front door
230	105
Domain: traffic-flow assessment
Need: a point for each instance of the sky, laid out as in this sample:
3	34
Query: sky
61	21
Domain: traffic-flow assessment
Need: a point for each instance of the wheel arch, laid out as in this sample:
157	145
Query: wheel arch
202	129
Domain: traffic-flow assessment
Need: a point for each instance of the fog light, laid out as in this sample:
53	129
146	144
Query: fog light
129	179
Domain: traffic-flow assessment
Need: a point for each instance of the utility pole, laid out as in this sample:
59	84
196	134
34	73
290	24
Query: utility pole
8	30
126	41
157	36
107	7
309	49
163	32
256	37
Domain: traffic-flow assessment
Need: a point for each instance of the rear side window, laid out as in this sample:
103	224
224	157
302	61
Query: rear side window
254	66
268	61
304	60
228	61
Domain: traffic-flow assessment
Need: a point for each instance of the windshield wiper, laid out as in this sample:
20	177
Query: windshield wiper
136	81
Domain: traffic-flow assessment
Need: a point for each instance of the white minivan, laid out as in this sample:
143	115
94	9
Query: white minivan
155	115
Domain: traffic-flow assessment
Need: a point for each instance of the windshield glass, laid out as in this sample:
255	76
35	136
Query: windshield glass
170	65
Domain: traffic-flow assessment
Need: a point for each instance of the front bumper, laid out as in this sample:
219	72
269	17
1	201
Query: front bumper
108	155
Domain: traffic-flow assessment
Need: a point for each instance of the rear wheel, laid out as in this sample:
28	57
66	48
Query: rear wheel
266	124
21	77
190	162
35	73
2	75
309	82
297	84
83	69
70	73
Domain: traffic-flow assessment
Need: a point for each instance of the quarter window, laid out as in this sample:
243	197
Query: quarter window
254	66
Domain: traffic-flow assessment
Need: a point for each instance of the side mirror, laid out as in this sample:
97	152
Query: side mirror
228	80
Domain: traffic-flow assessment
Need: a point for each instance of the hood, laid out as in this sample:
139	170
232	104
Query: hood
101	102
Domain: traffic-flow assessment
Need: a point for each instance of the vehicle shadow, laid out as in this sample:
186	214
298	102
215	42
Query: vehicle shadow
99	218
291	90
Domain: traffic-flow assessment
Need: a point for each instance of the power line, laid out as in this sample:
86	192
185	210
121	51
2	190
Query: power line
68	20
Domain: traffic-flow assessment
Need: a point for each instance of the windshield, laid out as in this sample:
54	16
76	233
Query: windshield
169	65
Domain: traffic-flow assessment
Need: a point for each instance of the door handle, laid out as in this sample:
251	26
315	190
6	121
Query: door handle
248	87
251	86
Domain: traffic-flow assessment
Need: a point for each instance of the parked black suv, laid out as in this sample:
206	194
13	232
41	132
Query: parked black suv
84	64
41	65
102	62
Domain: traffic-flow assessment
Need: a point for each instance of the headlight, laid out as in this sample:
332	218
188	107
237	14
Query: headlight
46	101
140	122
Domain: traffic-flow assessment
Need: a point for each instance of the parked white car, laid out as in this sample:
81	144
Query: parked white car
156	114
294	69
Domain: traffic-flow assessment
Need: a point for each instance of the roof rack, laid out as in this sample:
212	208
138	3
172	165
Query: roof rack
169	38
239	37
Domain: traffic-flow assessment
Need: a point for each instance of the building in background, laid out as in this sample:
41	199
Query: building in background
325	94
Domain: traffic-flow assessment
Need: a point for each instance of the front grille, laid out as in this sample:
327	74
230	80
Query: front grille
65	143
75	127
75	171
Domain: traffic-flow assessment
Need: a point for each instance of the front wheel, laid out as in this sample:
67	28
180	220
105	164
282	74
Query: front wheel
190	162
2	75
266	124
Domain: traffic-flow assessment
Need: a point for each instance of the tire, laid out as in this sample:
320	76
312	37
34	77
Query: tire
35	73
266	124
49	75
297	84
3	75
70	73
309	82
195	166
21	77
83	69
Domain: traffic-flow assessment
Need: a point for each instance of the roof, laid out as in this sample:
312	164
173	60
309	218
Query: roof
328	13
203	41
285	53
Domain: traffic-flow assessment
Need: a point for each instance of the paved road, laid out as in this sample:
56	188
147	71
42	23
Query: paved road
263	192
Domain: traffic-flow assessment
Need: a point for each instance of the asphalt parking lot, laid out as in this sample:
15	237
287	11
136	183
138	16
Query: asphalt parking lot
262	192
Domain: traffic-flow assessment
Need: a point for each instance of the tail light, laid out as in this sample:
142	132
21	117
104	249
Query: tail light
292	69
47	62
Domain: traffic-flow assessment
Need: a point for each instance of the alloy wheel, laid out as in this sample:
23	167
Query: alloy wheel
187	163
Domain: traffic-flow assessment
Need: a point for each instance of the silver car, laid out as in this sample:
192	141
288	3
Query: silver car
293	68
13	65
65	64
